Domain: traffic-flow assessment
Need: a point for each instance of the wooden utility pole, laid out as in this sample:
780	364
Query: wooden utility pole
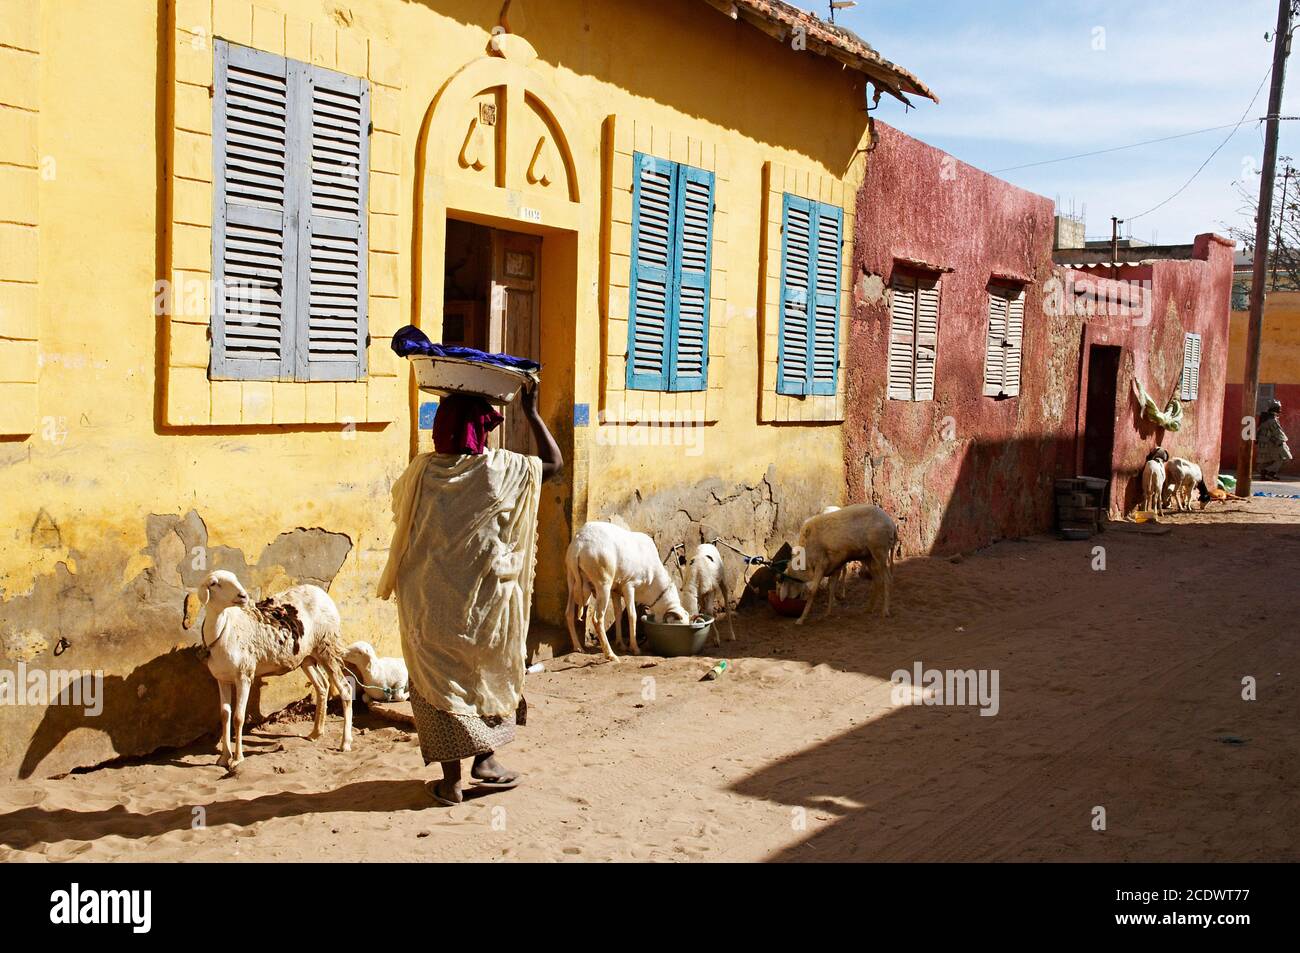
1259	269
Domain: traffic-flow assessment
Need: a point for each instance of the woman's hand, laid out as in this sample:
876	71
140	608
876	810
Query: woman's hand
547	449
528	398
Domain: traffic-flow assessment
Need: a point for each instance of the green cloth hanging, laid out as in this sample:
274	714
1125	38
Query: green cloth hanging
1171	418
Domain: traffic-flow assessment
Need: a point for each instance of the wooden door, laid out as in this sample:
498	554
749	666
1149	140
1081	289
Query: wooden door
513	319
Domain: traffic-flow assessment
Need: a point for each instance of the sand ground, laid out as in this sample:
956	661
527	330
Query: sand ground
1119	689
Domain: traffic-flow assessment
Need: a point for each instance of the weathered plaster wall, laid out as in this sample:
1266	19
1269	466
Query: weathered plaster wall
1186	297
963	469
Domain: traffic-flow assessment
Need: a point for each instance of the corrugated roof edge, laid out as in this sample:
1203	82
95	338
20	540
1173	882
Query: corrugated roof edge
778	19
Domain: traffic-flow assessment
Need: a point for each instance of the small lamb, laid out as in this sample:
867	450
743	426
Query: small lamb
382	679
706	582
242	641
605	559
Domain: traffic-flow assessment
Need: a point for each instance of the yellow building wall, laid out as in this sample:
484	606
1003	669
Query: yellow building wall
125	474
1279	357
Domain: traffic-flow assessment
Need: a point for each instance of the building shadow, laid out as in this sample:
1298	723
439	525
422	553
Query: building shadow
27	827
1093	712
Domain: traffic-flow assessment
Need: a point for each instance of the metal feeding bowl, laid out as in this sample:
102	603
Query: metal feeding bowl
677	638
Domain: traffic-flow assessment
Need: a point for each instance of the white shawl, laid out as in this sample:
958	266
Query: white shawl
462	562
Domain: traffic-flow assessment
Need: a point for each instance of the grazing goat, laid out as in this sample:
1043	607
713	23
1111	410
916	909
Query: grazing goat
706	582
382	679
1182	477
858	532
604	560
298	628
1153	486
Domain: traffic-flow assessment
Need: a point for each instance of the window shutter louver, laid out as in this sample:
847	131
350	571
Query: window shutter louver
995	348
1191	380
254	258
672	238
927	337
291	154
332	242
826	293
1015	344
796	270
650	309
902	337
808	336
690	339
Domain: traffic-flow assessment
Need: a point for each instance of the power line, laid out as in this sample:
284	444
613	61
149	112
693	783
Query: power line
1244	114
1131	145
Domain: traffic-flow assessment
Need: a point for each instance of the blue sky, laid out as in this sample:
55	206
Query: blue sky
1024	80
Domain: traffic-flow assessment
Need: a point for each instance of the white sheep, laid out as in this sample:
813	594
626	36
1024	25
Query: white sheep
382	679
842	574
242	641
604	560
1183	476
706	582
857	532
1153	486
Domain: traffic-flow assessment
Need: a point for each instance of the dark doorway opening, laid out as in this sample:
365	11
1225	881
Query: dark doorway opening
1099	419
491	302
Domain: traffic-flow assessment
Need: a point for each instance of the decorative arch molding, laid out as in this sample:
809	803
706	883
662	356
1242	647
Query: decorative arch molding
516	161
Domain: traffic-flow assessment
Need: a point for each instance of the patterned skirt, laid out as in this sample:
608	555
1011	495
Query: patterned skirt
448	737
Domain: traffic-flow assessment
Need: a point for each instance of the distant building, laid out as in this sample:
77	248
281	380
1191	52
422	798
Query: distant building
1279	371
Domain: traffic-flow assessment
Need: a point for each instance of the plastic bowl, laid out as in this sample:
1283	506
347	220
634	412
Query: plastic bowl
453	375
677	638
788	607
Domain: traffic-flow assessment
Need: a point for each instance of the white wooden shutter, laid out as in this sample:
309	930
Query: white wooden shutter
927	337
651	307
796	242
995	346
1191	380
1015	344
902	338
335	121
254	258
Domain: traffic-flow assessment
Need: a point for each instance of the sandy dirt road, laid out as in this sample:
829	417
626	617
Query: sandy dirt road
1119	689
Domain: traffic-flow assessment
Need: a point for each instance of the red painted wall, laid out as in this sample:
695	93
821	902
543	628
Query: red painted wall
963	470
1186	297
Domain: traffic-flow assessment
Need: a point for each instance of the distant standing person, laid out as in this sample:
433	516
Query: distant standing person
1271	449
461	563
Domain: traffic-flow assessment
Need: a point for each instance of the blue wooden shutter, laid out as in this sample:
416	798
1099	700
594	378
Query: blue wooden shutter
254	255
824	289
334	130
650	303
792	375
808	337
690	316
